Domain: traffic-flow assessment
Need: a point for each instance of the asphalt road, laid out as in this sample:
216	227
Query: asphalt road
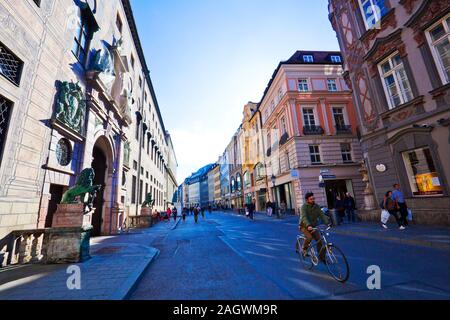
228	257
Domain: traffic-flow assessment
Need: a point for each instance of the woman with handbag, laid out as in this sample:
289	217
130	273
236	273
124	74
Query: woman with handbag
391	206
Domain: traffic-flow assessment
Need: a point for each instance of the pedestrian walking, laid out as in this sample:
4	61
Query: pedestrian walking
282	211
169	213
175	214
269	208
389	204
340	209
196	212
399	197
202	210
350	207
251	209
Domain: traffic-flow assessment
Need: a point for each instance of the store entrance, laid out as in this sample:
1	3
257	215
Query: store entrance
335	188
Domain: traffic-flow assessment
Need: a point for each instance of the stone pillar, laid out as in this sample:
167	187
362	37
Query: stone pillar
68	241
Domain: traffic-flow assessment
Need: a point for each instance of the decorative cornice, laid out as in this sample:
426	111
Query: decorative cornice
408	5
425	16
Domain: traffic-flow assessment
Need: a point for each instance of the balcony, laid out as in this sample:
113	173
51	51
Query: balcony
313	130
344	129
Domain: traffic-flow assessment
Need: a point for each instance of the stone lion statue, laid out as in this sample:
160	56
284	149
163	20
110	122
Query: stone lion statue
149	202
84	191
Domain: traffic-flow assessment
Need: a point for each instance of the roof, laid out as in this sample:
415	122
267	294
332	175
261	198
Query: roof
201	173
319	58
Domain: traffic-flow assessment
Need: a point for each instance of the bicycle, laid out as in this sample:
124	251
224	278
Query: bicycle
335	259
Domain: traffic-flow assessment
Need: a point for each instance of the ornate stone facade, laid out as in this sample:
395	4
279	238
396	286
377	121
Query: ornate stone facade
78	104
400	42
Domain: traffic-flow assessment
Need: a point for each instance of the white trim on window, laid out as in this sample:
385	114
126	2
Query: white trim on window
303	82
375	12
444	71
399	90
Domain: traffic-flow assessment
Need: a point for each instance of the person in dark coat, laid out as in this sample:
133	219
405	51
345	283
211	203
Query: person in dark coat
340	209
251	209
350	207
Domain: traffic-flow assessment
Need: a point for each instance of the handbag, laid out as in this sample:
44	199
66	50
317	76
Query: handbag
410	215
385	216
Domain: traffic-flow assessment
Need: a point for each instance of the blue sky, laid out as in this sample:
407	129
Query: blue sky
208	58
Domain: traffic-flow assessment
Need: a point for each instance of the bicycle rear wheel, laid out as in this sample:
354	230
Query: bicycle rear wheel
305	260
337	263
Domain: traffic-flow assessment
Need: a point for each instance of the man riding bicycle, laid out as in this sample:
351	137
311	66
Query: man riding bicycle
310	213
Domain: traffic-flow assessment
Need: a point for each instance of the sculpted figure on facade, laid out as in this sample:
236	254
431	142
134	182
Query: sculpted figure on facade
71	106
84	191
103	62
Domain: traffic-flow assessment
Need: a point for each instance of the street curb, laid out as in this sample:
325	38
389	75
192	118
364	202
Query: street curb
420	243
126	289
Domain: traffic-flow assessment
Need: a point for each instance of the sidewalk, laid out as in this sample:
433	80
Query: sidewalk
419	235
117	264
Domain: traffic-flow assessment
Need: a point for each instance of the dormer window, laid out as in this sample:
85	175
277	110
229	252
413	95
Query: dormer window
308	58
336	59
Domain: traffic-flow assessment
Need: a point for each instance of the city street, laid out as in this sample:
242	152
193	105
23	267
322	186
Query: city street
226	256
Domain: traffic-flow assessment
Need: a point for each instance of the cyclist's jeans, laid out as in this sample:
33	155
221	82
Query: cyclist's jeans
316	236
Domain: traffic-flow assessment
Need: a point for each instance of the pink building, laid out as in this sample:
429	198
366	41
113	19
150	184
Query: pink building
310	132
397	62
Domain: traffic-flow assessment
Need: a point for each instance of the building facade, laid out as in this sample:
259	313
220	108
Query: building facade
397	64
171	173
310	132
225	190
75	93
235	151
253	164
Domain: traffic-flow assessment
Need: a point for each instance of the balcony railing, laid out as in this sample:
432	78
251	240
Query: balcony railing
22	247
344	129
312	130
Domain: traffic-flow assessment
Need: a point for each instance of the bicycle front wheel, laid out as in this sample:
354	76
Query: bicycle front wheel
337	264
305	260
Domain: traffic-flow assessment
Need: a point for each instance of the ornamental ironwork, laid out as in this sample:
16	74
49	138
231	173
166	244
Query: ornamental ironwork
64	152
10	65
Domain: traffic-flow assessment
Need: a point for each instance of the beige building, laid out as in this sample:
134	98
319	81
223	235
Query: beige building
75	93
253	160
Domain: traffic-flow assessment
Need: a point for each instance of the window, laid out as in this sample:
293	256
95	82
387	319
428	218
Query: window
308	117
308	58
10	65
247	182
283	126
314	152
396	83
5	114
280	94
132	61
438	38
288	162
332	86
303	85
346	150
422	173
339	120
372	12
38	2
81	41
133	190
119	23
336	59
135	165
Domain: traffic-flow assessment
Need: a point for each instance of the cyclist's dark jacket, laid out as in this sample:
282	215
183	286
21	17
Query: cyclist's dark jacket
310	214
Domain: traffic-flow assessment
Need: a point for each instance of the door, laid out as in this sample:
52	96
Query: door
56	194
336	188
100	167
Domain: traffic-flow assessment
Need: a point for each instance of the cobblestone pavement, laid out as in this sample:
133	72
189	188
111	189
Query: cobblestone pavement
226	256
116	265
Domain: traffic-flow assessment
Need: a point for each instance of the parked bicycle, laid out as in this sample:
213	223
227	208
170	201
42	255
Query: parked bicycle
335	259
